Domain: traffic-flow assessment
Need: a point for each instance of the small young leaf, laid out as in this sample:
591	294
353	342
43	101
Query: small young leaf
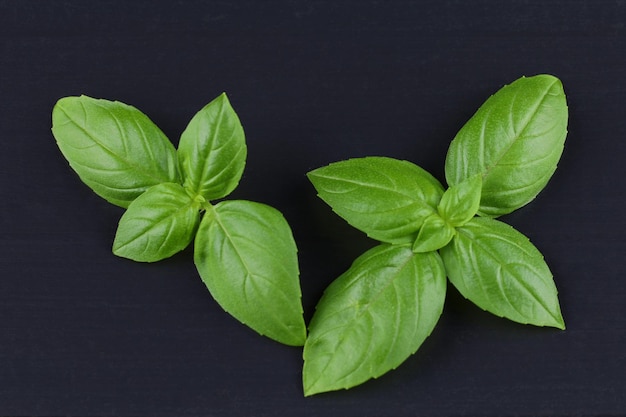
246	256
434	234
158	224
373	317
460	202
497	268
514	140
114	148
212	150
386	198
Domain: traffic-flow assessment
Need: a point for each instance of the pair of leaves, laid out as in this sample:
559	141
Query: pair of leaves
379	312
244	251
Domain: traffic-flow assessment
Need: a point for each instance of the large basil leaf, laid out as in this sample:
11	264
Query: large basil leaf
158	224
114	148
514	140
212	150
497	268
386	198
373	317
246	256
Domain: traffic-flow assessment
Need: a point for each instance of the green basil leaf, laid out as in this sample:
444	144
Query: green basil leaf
114	148
246	256
212	150
498	269
514	140
158	224
373	317
434	234
386	198
460	202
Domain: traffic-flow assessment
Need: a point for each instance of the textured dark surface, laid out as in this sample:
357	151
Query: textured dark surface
83	332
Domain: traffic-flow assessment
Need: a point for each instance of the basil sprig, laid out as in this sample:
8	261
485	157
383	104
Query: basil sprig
244	251
381	309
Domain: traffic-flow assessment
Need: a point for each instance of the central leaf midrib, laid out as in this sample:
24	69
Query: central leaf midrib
203	164
367	185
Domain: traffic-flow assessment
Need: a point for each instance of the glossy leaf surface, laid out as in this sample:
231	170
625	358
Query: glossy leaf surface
114	148
386	198
498	269
246	256
159	223
212	150
514	140
373	317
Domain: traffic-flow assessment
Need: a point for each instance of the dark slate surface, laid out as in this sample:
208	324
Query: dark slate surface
83	332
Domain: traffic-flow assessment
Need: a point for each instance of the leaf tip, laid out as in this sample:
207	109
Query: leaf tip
310	385
313	377
559	322
313	176
297	335
118	251
223	99
61	105
308	392
313	173
63	100
557	319
553	319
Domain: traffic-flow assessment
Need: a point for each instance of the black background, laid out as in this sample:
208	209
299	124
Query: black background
83	332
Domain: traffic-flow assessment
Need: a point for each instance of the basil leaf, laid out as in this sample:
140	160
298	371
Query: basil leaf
246	256
497	268
158	224
212	150
373	317
461	202
114	148
514	140
434	234
386	198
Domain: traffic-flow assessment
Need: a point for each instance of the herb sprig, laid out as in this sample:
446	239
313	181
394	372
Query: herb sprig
244	251
379	312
